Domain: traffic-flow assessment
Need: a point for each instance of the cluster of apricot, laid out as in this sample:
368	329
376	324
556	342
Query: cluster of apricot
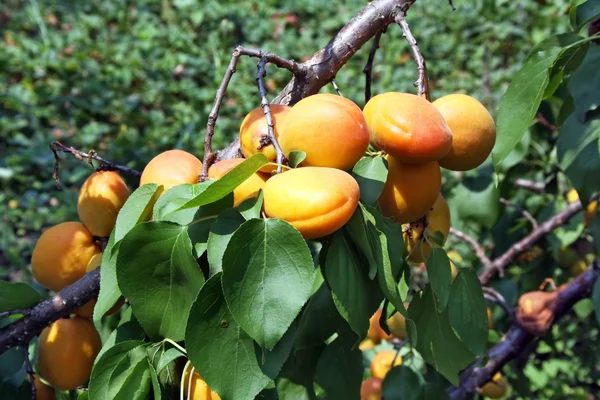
63	254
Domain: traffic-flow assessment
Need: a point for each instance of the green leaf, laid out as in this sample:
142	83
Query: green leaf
166	358
110	292
137	208
438	344
271	361
355	296
267	277
395	240
122	373
475	200
221	188
440	276
583	14
296	157
220	235
17	295
371	174
357	229
199	232
584	83
318	321
584	169
156	389
402	383
251	208
159	276
129	330
221	351
468	311
297	375
596	299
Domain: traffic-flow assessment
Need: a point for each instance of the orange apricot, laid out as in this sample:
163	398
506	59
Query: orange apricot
87	310
61	255
382	363
42	391
417	234
397	324
454	255
315	200
172	168
248	188
100	199
254	129
376	332
198	390
589	214
473	131
66	352
370	389
407	127
330	129
496	388
410	190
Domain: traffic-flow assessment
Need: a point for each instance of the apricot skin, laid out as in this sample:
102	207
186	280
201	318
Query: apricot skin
407	127
397	324
87	310
370	389
376	332
315	200
496	388
66	352
437	219
254	127
199	389
248	188
330	129
100	198
410	190
61	255
43	391
382	363
172	168
473	131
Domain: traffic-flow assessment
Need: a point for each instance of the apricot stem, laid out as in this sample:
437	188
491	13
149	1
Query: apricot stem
422	83
336	88
178	347
368	69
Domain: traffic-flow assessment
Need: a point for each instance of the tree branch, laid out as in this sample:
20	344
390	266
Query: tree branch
422	83
523	212
479	250
517	339
537	187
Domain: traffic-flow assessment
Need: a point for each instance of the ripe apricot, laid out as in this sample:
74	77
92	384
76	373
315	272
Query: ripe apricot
87	310
410	190
315	200
254	129
172	168
42	391
382	363
376	332
496	388
330	129
407	127
366	344
199	389
473	131
397	324
418	234
100	199
61	255
370	389
589	214
454	255
66	352
248	188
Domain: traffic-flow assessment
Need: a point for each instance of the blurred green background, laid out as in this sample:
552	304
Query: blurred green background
133	78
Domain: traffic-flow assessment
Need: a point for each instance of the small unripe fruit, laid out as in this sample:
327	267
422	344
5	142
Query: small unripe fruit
254	129
416	247
382	363
330	129
410	190
172	168
87	310
66	352
473	131
370	389
100	199
248	188
61	255
315	200
496	388
407	127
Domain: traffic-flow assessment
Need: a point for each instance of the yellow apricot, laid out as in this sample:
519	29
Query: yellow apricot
407	127
370	389
254	129
172	168
66	352
589	214
418	234
61	255
315	200
248	188
473	131
397	324
376	332
199	389
454	255
382	363
42	391
87	310
496	388
366	344
100	199
330	129
410	190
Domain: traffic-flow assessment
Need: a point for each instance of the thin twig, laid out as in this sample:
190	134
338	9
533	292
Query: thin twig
280	62
540	119
105	165
523	212
260	74
537	187
422	83
29	370
479	250
495	297
368	69
337	89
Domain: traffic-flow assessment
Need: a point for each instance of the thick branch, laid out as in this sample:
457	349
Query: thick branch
20	332
517	339
422	83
